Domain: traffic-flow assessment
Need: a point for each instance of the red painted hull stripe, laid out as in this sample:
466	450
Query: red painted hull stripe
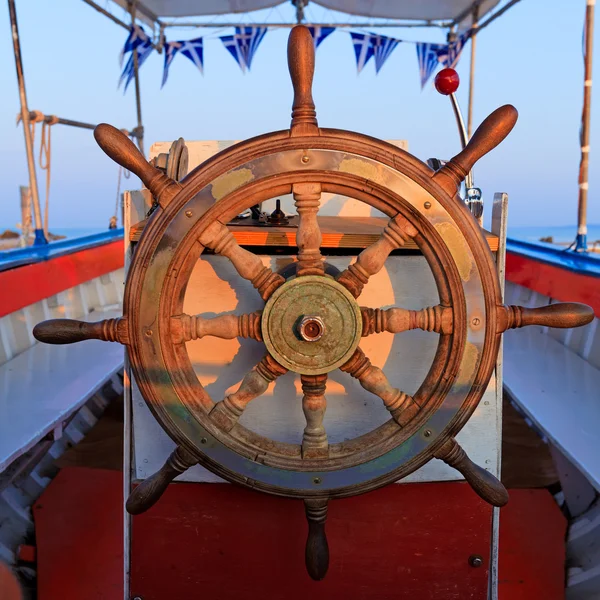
554	282
27	285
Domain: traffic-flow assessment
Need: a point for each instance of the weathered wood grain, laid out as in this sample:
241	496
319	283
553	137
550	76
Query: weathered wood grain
301	64
395	320
314	404
402	407
371	260
71	331
308	235
226	413
483	482
193	327
562	315
124	152
219	239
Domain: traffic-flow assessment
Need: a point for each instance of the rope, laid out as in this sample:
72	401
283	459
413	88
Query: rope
126	173
112	223
45	161
35	116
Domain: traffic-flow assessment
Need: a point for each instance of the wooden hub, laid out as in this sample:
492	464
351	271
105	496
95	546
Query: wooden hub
311	325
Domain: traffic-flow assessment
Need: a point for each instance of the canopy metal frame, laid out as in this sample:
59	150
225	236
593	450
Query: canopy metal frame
139	11
27	117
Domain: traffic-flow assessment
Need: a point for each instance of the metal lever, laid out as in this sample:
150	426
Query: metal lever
446	83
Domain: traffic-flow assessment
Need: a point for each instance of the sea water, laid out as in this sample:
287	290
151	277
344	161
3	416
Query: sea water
560	235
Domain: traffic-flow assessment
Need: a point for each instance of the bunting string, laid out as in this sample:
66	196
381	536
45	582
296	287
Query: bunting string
244	43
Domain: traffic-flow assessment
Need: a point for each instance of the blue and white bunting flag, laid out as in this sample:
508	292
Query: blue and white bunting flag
320	33
382	48
136	37
193	49
243	44
231	43
455	49
428	56
171	49
144	50
363	48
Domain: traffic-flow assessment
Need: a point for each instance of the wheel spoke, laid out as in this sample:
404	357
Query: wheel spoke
314	404
483	482
227	413
371	260
563	315
402	407
219	239
192	327
149	491
395	320
307	198
70	331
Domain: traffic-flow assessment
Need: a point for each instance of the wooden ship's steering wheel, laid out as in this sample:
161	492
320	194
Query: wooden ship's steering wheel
312	323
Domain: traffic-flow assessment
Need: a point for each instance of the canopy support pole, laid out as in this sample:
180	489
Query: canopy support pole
472	71
40	238
139	130
581	239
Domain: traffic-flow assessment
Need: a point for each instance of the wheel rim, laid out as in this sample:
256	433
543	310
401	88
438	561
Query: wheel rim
401	453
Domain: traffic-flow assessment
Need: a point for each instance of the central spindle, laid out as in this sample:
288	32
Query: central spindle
311	328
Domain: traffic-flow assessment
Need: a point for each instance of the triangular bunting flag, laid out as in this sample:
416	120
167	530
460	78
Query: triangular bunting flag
363	48
144	50
137	36
428	57
320	33
455	49
193	49
382	48
243	45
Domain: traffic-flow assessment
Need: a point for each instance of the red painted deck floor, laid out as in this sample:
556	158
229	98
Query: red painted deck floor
79	544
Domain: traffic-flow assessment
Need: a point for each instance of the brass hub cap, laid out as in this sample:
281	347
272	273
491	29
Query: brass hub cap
311	328
311	325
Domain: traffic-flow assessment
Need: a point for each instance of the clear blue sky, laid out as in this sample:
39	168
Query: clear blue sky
531	57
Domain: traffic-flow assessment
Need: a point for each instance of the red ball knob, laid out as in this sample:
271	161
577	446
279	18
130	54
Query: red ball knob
447	81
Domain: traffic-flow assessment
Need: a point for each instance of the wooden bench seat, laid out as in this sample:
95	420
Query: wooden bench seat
559	392
44	385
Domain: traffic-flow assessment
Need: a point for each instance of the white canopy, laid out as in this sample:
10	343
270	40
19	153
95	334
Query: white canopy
422	10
